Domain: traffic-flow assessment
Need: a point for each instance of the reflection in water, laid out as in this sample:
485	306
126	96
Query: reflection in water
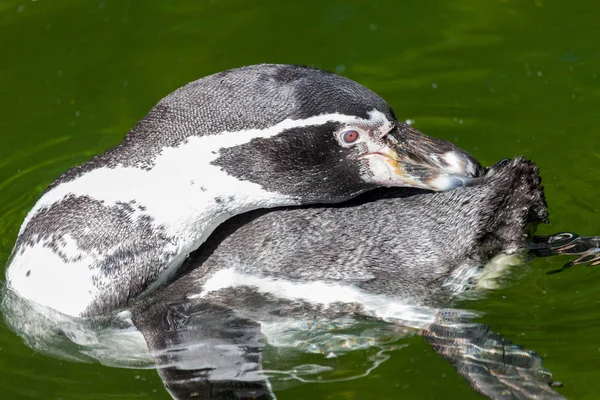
310	286
112	341
492	365
194	361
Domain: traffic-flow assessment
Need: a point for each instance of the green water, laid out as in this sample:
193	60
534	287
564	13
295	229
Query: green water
499	78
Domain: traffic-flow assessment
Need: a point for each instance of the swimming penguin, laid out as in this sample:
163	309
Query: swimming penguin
263	136
394	255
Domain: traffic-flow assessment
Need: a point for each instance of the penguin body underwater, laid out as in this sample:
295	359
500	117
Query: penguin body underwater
263	136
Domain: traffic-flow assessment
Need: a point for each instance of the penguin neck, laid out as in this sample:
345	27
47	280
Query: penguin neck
188	202
182	190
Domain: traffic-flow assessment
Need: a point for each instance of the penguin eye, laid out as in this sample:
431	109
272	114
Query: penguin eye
350	136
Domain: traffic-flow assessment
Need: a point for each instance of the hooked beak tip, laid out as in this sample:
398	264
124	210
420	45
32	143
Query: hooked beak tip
449	182
428	163
445	171
461	163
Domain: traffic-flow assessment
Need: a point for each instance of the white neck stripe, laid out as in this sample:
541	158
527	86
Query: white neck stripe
186	162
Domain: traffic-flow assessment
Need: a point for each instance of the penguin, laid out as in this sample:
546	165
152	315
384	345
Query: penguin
120	225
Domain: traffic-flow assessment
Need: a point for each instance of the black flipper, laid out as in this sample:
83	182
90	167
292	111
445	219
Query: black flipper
204	351
492	365
567	243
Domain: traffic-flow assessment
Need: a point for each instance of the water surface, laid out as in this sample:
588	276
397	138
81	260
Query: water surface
499	78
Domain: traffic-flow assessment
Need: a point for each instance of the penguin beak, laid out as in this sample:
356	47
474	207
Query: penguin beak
416	160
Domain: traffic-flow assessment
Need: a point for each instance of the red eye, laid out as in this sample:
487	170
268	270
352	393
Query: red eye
350	136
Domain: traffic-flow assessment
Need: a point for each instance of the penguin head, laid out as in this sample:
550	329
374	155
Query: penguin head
298	131
326	138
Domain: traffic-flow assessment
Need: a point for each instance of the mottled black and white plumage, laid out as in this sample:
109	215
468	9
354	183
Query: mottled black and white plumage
394	255
249	138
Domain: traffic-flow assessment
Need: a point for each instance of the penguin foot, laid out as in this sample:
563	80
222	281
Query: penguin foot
567	243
